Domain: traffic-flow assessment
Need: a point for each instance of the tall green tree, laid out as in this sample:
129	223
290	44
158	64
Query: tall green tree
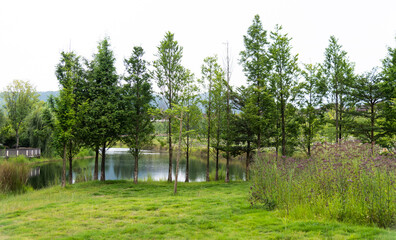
169	74
2	124
189	99
228	115
257	65
68	72
40	125
368	94
20	98
310	93
218	125
389	88
211	74
283	77
249	123
138	98
104	115
338	72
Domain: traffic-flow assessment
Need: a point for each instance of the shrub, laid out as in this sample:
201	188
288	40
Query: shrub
345	182
85	152
13	177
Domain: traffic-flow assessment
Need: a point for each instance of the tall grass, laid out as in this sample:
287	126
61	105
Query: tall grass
345	182
13	177
221	174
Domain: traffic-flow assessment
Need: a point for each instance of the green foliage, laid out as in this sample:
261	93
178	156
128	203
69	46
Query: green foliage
283	78
256	63
171	78
2	126
389	88
338	74
69	72
67	109
85	152
168	69
255	59
309	97
20	98
39	129
101	121
339	182
368	95
137	97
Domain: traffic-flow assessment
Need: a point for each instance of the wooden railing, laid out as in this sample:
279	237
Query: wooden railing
28	152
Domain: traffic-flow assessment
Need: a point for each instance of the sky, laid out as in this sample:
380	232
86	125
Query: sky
34	33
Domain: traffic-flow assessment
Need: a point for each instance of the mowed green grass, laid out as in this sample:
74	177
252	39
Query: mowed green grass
123	210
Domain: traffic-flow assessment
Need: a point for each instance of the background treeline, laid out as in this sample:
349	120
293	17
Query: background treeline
285	107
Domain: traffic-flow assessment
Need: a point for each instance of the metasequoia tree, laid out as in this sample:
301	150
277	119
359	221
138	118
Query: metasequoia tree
338	72
310	92
137	97
211	74
69	72
169	75
256	65
283	76
104	116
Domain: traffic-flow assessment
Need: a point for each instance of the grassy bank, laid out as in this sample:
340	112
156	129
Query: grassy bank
122	210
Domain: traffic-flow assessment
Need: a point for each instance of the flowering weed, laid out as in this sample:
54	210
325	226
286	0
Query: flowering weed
345	182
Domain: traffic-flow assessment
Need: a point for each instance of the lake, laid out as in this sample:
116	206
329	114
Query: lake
120	165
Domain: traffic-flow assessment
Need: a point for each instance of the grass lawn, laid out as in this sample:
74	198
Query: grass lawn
122	210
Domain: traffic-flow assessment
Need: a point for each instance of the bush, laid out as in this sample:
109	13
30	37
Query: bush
13	177
85	152
345	182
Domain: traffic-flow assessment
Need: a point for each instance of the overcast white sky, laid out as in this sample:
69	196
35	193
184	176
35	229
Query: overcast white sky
33	33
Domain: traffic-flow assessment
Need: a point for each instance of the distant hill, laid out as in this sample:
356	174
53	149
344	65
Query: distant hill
43	96
159	101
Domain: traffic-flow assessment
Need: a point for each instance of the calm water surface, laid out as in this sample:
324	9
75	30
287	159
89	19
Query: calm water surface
120	165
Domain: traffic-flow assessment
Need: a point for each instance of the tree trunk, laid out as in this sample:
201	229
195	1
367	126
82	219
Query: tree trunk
217	147
259	142
283	126
70	164
17	138
217	165
96	168
188	149
64	165
260	114
228	120
372	128
309	137
208	148
277	136
170	150
340	123
135	177
248	160
336	108
102	167
187	163
178	152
